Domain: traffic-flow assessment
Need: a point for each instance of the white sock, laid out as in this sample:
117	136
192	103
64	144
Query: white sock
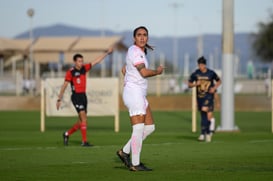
148	129
136	142
212	124
127	148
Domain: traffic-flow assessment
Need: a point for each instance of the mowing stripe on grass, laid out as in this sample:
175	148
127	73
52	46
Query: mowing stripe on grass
260	141
114	146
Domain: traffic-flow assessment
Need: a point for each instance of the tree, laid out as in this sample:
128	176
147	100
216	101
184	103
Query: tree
263	41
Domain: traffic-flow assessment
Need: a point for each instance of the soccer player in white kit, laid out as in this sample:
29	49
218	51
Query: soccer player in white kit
135	73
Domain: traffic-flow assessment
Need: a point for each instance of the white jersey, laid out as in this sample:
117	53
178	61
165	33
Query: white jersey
135	86
133	78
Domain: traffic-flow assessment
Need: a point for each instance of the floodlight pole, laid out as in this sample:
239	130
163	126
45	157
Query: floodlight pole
175	6
30	13
102	33
227	103
1	65
200	47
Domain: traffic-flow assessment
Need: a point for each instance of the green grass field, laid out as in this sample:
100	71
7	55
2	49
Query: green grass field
172	151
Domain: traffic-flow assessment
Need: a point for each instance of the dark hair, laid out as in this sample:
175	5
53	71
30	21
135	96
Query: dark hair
147	45
202	60
76	56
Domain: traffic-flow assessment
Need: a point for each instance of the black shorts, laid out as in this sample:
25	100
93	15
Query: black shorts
79	101
205	102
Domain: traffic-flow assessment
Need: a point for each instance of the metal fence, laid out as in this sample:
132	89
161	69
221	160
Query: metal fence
160	85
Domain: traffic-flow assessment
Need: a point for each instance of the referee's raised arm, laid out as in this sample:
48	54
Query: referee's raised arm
100	58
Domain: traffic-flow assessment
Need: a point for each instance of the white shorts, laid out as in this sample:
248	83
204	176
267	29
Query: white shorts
135	100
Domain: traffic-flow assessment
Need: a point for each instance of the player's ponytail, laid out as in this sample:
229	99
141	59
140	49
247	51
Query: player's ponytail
149	47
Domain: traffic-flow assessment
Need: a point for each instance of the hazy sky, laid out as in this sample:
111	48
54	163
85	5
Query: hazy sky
159	16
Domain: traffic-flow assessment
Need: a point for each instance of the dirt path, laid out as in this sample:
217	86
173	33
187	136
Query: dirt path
172	102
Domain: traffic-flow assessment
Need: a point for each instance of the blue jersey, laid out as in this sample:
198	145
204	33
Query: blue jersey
207	81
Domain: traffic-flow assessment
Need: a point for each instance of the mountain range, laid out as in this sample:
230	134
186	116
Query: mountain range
164	45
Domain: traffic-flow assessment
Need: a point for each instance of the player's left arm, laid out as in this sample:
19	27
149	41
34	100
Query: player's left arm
215	87
216	99
217	84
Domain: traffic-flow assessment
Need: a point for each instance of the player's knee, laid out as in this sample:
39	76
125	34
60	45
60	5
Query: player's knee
149	128
138	128
205	109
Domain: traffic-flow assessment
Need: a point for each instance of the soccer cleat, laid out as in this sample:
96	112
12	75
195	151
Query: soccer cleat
65	137
140	167
201	137
124	157
86	144
208	137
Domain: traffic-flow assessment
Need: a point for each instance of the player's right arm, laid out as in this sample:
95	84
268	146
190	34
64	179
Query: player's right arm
193	82
60	96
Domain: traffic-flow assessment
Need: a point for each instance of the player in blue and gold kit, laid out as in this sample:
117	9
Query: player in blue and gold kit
206	81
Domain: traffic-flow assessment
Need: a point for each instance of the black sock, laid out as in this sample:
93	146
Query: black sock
207	128
204	119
